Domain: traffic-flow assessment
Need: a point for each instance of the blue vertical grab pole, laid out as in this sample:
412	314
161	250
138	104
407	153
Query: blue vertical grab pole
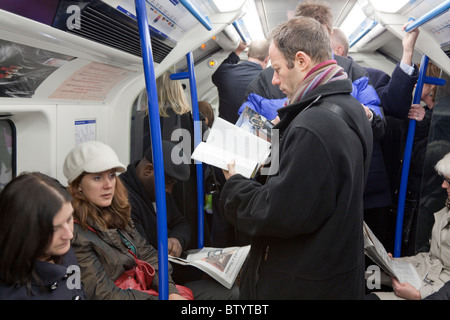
197	140
408	151
407	160
156	142
190	74
441	9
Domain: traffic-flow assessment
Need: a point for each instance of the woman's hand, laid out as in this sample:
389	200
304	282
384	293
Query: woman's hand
176	296
416	112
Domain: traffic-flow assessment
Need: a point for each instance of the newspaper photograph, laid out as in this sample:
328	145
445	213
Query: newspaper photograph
403	271
222	264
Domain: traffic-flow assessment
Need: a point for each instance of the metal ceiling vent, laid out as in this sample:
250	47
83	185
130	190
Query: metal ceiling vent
103	24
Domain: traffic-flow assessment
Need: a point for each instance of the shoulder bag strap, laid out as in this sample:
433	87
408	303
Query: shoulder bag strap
350	122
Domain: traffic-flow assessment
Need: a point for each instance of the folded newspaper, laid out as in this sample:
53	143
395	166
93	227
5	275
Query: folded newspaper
403	271
222	264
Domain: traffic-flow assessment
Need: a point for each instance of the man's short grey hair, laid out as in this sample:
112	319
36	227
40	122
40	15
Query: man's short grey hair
259	49
338	37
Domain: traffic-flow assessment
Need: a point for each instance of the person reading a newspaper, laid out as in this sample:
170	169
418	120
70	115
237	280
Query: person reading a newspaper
433	267
140	182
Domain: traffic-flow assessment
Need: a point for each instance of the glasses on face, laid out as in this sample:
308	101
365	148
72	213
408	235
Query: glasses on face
446	180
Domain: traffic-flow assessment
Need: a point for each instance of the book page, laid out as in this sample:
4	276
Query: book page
226	142
221	158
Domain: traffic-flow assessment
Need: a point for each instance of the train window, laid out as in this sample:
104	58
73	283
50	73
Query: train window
7	152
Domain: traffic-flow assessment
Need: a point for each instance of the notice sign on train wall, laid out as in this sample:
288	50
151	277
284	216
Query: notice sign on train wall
92	82
85	130
24	68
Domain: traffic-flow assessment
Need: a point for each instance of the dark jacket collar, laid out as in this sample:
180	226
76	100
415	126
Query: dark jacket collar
49	273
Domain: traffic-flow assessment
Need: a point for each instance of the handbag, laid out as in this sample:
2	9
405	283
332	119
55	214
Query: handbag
141	277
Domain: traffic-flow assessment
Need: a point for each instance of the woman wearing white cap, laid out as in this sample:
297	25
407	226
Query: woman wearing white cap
104	233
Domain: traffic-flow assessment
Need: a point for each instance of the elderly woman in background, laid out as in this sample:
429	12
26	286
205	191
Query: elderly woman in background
433	267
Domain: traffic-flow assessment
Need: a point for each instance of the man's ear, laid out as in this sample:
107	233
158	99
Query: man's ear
302	60
148	169
339	50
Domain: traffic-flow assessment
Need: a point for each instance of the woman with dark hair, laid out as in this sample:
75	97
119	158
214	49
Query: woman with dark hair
36	259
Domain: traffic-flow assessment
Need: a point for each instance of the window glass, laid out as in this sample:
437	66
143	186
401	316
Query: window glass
7	152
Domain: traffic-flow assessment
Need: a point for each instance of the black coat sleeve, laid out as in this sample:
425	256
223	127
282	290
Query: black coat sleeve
178	226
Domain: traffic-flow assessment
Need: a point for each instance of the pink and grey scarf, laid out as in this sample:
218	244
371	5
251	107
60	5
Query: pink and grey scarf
324	72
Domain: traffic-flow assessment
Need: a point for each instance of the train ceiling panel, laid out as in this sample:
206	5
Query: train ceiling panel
274	12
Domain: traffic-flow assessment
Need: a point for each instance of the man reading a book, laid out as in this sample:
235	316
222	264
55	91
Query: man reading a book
306	220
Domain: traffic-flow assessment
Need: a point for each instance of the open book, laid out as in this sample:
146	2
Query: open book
222	264
403	271
227	142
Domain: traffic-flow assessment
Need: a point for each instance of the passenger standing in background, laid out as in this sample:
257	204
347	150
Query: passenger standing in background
306	220
393	148
177	126
36	259
395	99
395	92
205	109
233	77
104	232
267	96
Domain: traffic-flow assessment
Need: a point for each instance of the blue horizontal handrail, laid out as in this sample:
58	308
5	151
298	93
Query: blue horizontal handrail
156	142
179	76
408	151
204	20
363	33
440	9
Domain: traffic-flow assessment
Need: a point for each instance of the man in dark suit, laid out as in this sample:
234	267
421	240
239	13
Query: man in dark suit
233	77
